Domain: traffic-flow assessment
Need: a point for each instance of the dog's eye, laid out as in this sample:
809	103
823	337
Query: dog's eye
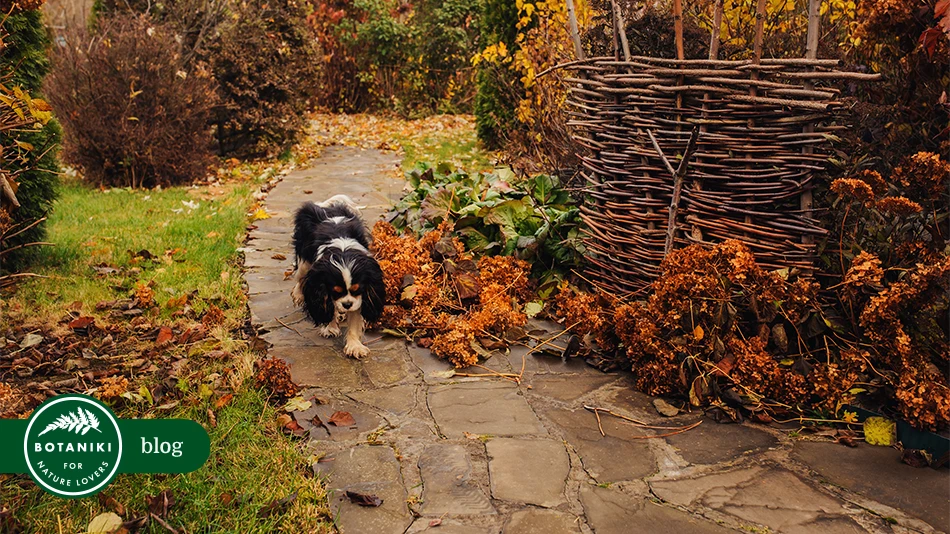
339	289
354	288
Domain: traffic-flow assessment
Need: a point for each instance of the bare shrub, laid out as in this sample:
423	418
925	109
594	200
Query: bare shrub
132	113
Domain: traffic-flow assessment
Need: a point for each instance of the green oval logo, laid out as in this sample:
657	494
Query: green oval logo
73	446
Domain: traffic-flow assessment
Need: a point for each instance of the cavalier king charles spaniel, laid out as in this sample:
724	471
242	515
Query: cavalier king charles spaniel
337	279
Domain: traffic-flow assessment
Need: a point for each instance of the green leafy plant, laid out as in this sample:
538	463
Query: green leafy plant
533	219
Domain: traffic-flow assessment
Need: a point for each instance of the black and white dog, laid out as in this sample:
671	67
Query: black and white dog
337	278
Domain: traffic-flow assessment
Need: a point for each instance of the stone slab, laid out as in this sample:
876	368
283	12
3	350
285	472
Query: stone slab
567	388
266	306
448	526
369	470
365	420
877	473
448	486
319	367
542	363
610	511
387	363
611	458
711	442
434	370
266	280
266	259
492	408
534	521
768	496
397	400
528	471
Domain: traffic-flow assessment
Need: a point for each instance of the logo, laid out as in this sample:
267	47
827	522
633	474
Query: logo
73	446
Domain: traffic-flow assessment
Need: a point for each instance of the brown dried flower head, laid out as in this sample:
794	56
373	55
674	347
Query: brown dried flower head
899	206
852	189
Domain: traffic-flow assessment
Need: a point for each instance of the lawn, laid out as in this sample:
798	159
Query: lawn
192	263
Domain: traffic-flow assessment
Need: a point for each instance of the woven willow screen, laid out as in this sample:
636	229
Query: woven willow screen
759	129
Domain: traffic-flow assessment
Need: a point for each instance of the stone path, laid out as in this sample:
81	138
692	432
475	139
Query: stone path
476	456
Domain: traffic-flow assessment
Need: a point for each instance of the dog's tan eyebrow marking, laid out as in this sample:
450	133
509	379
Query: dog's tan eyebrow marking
339	289
354	288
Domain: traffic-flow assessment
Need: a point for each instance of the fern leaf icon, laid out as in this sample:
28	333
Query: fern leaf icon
80	422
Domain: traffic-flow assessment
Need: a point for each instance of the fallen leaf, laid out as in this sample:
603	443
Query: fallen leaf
533	308
223	401
260	214
666	409
342	419
847	437
278	257
297	404
82	322
212	235
448	373
111	504
31	340
103	523
916	458
698	333
435	522
363	499
212	419
165	335
161	503
284	420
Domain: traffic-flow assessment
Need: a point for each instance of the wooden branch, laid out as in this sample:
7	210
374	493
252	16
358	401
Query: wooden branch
24	245
18	232
575	32
716	29
621	29
678	27
678	175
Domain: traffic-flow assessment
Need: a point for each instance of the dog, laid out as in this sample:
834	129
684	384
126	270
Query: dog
337	280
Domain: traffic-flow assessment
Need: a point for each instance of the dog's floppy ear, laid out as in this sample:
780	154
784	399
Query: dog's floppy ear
374	293
317	302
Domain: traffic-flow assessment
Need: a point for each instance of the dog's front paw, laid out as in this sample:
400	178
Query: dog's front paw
297	295
356	350
330	330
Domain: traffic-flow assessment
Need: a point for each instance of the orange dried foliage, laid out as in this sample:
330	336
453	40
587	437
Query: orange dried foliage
865	273
274	374
899	206
112	387
856	189
922	389
213	316
426	296
874	180
924	175
144	295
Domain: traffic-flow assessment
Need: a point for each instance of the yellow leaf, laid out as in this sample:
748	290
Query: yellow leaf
260	215
698	333
850	417
42	105
24	145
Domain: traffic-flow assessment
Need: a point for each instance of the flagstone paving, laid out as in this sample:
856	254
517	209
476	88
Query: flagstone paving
455	455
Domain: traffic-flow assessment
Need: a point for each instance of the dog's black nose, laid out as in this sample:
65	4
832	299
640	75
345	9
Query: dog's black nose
347	305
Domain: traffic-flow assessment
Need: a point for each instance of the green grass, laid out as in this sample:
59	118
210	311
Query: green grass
461	149
91	227
250	457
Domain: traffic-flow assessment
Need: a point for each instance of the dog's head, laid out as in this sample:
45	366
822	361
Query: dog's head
342	282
